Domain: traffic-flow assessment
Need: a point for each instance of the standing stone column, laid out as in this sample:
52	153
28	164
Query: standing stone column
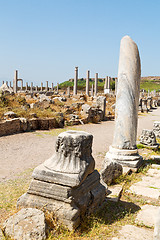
7	83
87	83
46	85
106	83
51	86
41	86
21	84
2	82
10	84
68	91
124	149
75	81
96	84
92	90
15	81
31	90
57	87
26	86
36	88
116	84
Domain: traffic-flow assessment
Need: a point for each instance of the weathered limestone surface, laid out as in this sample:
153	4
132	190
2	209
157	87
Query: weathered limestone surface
28	224
123	149
157	225
149	186
101	103
156	128
131	232
72	159
147	215
148	138
127	95
110	171
67	183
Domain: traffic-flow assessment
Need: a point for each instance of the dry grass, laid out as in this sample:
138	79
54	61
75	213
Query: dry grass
102	225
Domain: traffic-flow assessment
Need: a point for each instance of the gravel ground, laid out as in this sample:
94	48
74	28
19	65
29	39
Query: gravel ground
26	150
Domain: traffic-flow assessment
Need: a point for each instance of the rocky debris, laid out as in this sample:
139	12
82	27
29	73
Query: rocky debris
67	183
28	224
148	138
110	171
101	104
144	105
156	128
9	115
5	89
91	114
43	97
155	103
114	192
149	102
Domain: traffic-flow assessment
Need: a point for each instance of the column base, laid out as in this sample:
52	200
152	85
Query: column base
125	157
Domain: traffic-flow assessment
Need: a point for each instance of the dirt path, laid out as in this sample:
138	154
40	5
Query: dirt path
27	150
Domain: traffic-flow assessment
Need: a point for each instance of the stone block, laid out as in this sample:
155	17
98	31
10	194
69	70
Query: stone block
28	224
67	184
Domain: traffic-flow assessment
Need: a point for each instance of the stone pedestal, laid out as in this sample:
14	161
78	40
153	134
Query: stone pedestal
67	183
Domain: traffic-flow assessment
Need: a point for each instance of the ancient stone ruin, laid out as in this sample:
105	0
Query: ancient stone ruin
123	150
67	183
148	138
156	128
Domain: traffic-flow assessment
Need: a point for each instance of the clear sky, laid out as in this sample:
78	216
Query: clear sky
46	39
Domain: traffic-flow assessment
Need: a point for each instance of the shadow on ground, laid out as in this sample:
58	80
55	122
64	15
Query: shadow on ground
109	213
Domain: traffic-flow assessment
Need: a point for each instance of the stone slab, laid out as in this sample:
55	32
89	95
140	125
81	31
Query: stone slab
130	232
148	187
126	170
61	192
114	192
155	157
154	173
146	216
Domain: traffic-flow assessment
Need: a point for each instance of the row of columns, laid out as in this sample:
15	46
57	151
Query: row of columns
95	90
15	84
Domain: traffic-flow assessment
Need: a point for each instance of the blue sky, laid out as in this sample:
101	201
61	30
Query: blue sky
45	39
